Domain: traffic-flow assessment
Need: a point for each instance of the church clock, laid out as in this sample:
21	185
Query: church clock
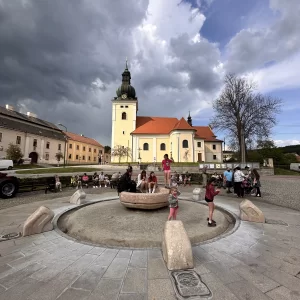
124	96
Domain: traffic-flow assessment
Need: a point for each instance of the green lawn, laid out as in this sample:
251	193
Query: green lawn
79	170
278	171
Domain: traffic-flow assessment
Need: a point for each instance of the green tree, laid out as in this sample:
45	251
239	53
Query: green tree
243	113
107	149
14	152
268	149
121	151
59	156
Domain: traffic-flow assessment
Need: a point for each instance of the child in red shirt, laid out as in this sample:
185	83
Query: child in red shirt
152	182
210	193
166	165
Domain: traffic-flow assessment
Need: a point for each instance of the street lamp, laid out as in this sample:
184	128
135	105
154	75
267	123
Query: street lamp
65	142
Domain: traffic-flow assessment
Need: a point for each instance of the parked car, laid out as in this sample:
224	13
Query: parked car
9	186
6	164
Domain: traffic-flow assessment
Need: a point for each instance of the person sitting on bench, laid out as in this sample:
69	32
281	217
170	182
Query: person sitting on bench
57	183
95	180
85	180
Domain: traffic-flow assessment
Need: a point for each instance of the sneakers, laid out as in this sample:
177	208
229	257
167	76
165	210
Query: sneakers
211	224
213	221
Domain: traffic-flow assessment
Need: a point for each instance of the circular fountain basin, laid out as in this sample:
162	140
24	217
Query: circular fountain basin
109	224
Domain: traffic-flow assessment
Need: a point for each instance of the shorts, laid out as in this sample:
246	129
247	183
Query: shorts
228	184
208	200
167	171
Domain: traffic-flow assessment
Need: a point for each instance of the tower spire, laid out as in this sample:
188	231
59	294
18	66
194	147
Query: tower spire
126	64
189	119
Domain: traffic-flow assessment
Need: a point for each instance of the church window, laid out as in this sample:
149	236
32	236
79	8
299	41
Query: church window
214	147
162	146
122	106
185	144
123	132
126	106
199	144
146	146
124	116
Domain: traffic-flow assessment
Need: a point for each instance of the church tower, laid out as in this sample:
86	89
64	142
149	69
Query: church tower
124	110
189	120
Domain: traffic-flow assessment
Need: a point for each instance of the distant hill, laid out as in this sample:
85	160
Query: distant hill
291	149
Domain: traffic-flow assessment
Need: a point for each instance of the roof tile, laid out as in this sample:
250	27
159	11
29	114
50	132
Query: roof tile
82	139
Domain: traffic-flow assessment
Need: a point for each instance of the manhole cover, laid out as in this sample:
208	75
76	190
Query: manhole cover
277	222
189	286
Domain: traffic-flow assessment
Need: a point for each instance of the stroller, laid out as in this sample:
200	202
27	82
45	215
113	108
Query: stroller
247	185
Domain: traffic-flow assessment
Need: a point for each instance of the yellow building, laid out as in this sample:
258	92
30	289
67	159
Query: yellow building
149	138
83	150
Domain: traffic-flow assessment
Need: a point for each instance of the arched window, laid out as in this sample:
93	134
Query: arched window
124	116
185	144
146	146
162	146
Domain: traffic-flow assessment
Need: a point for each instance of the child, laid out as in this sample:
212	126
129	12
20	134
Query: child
173	203
174	180
57	183
166	165
209	198
152	182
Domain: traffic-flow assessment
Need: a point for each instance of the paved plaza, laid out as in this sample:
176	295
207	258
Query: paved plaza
257	261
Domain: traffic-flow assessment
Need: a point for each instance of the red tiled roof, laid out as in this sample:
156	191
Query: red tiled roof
205	132
82	139
154	125
183	125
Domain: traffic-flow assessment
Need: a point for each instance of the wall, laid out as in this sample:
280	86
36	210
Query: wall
121	129
89	155
26	145
210	152
200	149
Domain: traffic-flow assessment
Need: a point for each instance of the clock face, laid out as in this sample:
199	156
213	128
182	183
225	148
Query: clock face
124	96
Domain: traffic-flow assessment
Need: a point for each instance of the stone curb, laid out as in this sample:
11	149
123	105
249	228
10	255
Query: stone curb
233	219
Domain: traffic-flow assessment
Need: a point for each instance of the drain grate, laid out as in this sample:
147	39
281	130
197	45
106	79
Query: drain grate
189	286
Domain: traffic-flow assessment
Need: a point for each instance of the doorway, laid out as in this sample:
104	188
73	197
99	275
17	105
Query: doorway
199	157
34	157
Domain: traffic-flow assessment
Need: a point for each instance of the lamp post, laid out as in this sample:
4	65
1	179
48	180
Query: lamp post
65	143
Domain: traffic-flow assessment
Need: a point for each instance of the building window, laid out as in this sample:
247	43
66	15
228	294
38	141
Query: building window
185	144
48	145
76	156
47	156
94	158
90	149
215	157
83	157
34	142
83	148
59	147
199	144
18	141
146	146
162	146
126	106
123	132
70	156
70	146
122	106
77	147
95	150
214	147
89	158
124	116
0	136
100	151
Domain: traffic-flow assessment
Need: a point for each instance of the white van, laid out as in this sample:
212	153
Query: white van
6	164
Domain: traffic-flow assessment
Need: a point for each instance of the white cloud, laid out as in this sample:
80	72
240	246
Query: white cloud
282	143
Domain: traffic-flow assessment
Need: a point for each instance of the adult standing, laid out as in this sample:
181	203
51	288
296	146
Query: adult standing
256	182
166	166
228	180
238	179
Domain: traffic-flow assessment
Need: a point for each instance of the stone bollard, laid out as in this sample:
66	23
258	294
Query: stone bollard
176	247
39	221
250	212
196	194
78	197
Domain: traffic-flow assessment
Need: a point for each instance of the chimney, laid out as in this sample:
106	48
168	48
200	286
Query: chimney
32	115
9	107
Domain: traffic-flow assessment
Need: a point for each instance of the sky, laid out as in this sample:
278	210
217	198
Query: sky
63	60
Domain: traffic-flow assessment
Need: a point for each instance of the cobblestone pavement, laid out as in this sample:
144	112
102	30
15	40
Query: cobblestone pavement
258	261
